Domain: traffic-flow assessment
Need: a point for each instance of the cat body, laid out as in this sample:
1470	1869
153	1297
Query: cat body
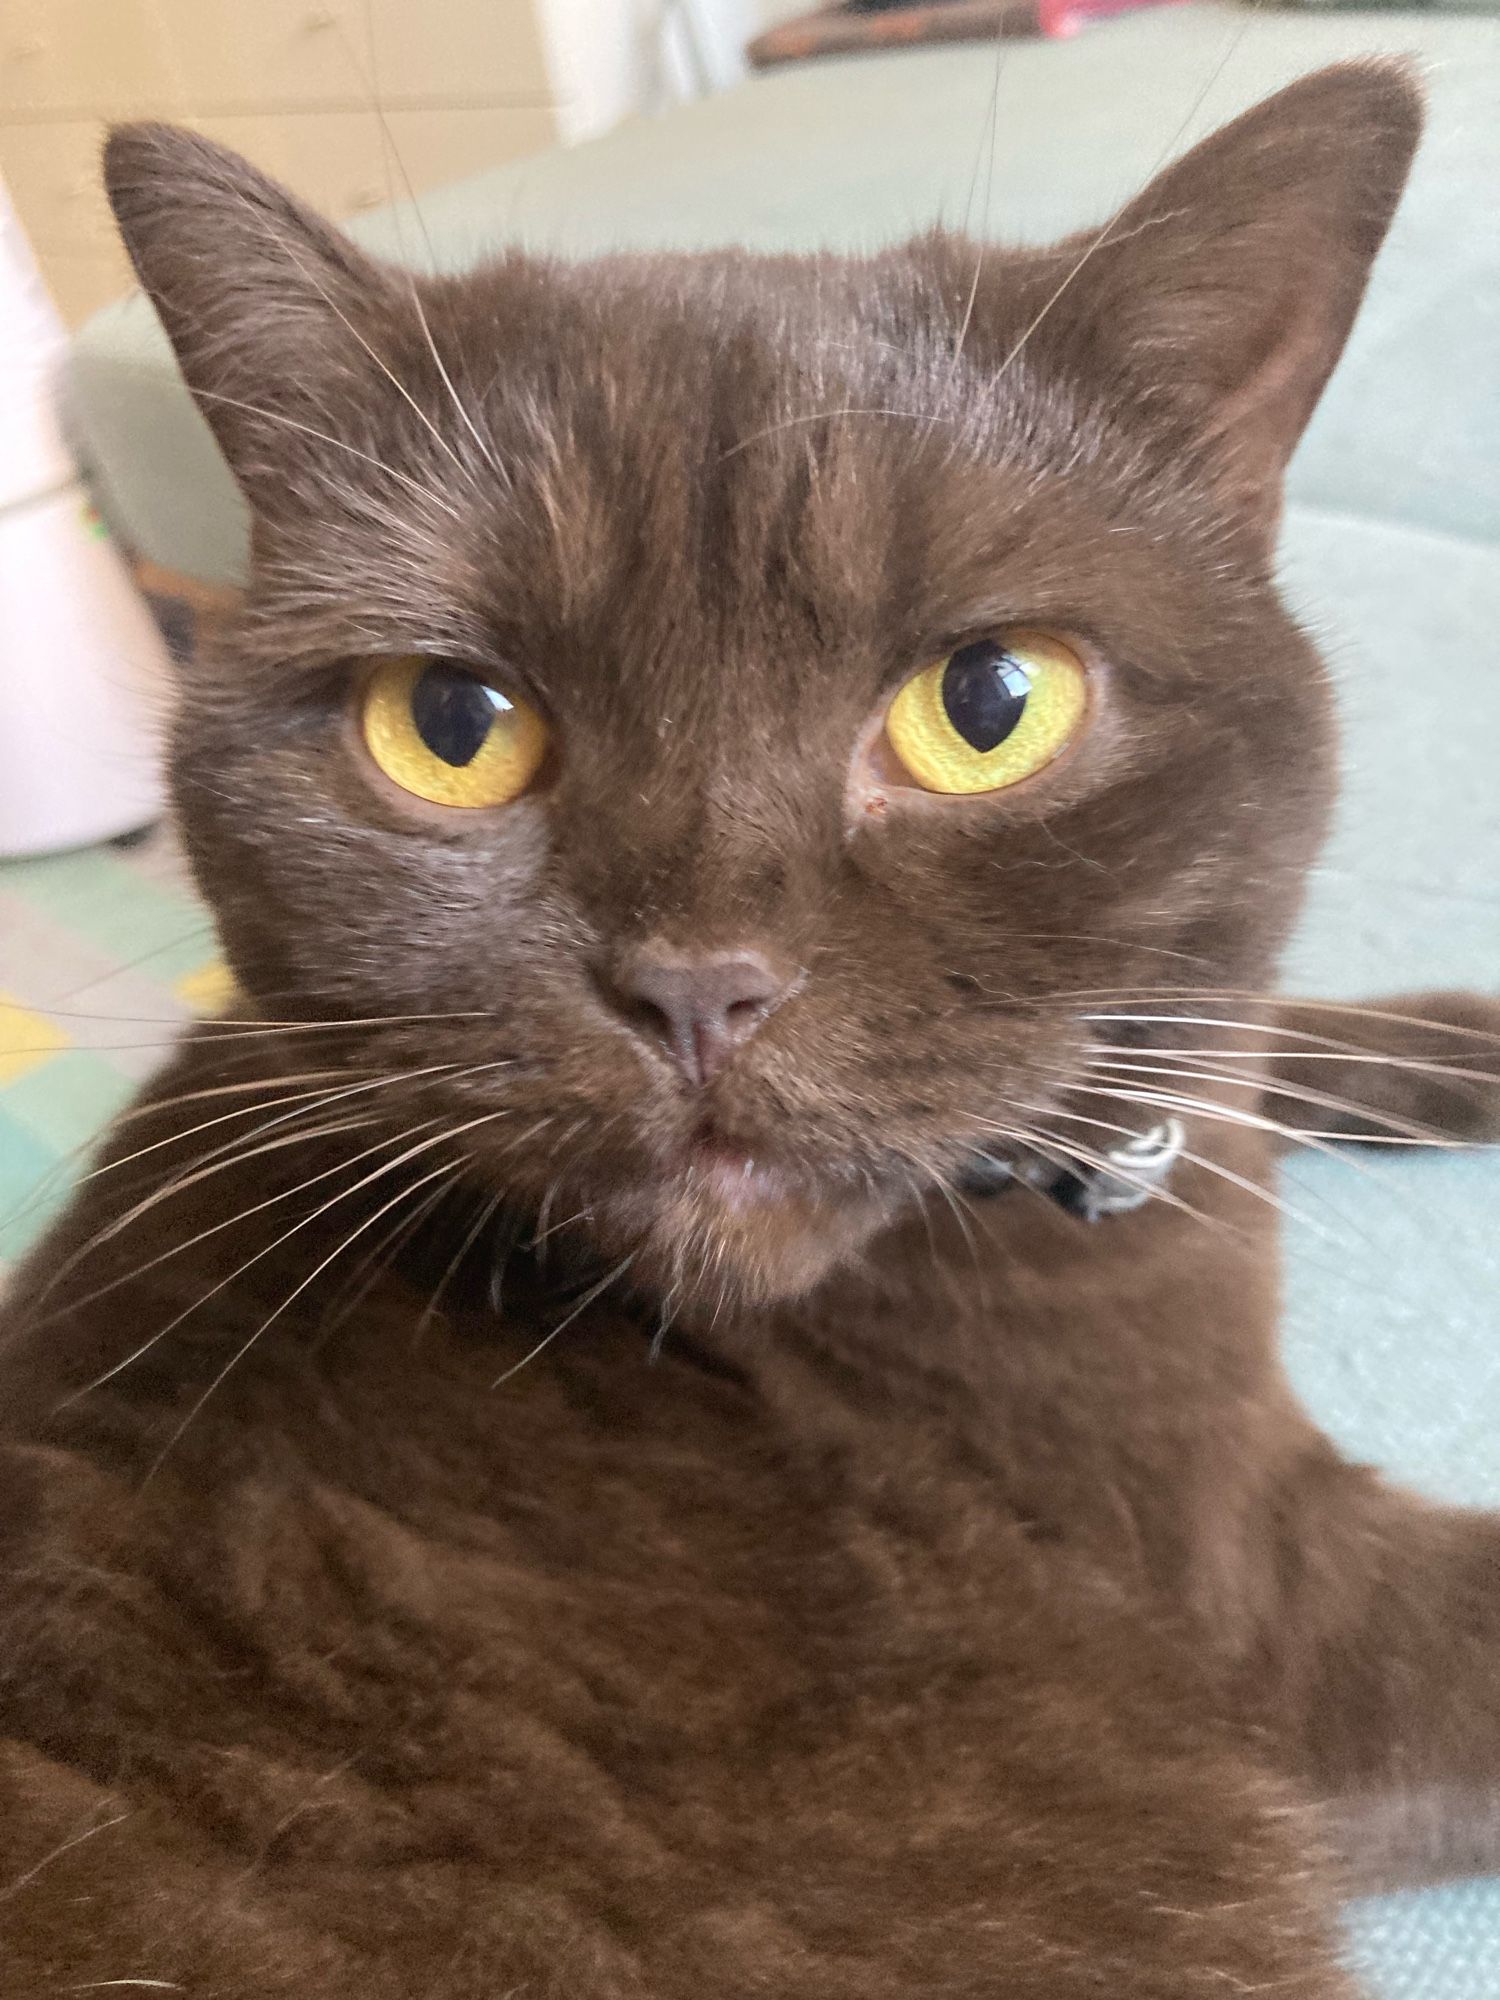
528	1468
799	1657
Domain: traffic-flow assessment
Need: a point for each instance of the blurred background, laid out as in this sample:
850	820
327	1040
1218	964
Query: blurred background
463	84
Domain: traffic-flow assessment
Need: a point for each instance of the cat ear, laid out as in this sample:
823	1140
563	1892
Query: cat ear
254	290
1221	298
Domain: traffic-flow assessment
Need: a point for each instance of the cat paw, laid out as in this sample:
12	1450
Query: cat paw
1423	1067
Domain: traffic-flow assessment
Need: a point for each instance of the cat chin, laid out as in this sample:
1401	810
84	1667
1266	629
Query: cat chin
753	1238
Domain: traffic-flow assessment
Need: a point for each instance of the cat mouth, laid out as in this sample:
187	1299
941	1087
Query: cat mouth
718	1214
733	1173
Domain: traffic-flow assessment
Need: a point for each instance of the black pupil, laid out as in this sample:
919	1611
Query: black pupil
984	693
454	713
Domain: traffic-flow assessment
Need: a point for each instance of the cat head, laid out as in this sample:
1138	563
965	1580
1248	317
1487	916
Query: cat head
721	718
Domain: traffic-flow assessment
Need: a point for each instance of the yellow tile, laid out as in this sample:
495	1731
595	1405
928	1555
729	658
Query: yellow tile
27	1040
209	990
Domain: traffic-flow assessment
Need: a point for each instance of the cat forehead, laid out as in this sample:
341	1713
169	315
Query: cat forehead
718	458
784	422
730	349
726	439
712	309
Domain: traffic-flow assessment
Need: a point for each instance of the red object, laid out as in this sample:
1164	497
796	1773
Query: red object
1060	18
837	30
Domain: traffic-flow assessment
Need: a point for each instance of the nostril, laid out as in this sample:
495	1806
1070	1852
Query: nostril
700	1005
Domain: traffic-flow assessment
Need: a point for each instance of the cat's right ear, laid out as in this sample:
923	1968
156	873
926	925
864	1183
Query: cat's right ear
252	288
1217	302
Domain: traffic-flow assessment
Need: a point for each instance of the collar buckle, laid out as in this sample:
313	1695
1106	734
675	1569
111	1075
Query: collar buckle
1138	1168
1132	1172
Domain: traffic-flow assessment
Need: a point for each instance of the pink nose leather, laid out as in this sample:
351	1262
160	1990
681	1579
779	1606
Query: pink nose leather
701	1006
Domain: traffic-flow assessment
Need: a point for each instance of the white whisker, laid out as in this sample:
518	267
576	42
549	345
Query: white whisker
1112	231
423	493
446	1167
594	1292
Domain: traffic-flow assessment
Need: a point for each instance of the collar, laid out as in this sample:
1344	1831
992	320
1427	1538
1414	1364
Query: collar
1126	1176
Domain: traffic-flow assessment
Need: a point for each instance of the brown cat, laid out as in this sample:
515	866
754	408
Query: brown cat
634	1426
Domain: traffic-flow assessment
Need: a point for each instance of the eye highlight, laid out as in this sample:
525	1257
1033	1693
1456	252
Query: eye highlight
988	715
444	735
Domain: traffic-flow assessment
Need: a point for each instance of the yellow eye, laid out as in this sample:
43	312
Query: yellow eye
989	714
443	734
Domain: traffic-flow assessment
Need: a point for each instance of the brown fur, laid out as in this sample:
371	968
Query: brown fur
553	1577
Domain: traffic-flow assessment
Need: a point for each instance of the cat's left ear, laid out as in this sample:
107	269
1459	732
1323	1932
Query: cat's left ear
265	304
1220	299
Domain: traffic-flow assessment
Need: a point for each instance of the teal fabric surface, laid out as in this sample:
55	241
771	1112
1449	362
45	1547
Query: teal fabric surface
1439	1944
1393	1313
1392	1326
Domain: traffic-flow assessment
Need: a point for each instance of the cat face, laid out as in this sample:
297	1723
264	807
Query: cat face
584	720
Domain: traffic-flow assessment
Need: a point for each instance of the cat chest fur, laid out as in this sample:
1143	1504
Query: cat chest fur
738	1678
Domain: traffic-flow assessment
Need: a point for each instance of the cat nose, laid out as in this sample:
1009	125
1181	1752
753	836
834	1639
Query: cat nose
700	1005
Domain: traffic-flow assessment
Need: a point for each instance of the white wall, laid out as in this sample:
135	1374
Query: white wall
609	59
